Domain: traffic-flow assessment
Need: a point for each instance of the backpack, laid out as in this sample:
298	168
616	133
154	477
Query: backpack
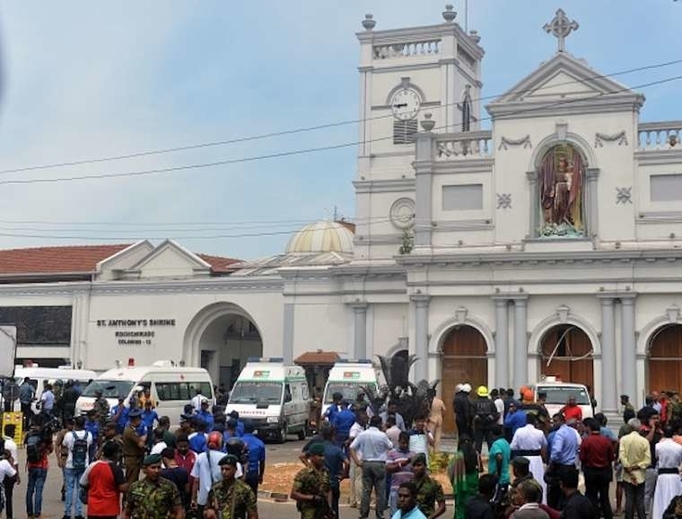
33	444
79	451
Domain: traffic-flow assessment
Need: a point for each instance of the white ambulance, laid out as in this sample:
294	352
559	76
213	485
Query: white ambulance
274	397
558	392
348	377
38	377
170	386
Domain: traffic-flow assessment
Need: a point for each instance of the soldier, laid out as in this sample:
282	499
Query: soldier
429	491
231	497
61	452
101	407
133	447
311	488
153	497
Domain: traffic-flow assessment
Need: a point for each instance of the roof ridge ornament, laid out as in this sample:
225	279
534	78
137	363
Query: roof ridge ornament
560	27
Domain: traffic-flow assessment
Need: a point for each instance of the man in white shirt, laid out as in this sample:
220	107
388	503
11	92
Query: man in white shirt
355	473
78	443
206	472
196	401
10	481
374	446
499	404
531	443
47	400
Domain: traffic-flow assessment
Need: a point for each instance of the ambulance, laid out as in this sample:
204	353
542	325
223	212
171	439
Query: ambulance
558	392
274	397
348	377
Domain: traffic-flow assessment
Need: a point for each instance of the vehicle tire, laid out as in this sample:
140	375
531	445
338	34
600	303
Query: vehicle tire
282	434
303	432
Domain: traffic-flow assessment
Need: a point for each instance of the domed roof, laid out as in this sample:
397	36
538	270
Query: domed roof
322	236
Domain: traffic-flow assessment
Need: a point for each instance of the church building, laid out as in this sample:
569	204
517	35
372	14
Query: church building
549	244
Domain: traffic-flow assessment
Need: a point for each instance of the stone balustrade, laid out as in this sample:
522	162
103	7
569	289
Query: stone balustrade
407	49
664	135
464	145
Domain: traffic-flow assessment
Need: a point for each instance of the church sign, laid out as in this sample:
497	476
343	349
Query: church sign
135	332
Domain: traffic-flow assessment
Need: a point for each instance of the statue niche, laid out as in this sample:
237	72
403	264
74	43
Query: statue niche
560	178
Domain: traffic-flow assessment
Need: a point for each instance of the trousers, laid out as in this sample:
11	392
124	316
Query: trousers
373	478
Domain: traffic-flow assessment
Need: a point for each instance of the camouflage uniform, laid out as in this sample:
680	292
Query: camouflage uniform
147	500
429	492
101	407
237	498
118	441
315	483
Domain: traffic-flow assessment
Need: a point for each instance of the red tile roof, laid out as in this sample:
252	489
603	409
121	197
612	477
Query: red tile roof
80	259
219	264
53	260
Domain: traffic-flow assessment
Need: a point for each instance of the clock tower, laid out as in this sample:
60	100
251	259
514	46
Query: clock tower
404	75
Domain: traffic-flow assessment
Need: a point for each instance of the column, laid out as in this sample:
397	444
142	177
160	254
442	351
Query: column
423	167
609	401
628	352
288	334
421	336
532	177
592	205
501	343
360	327
520	343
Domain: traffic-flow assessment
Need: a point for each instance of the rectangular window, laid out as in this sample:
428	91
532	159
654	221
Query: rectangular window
404	131
465	197
666	188
181	390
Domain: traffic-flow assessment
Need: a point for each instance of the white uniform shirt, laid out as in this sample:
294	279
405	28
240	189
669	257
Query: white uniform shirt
499	404
668	454
6	470
528	438
196	402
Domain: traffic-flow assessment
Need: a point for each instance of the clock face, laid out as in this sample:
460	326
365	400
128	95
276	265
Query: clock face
405	104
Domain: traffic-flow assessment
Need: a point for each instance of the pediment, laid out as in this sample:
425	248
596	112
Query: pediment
564	84
172	260
114	266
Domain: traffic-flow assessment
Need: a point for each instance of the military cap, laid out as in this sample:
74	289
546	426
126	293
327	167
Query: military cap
316	448
134	413
419	458
228	460
151	460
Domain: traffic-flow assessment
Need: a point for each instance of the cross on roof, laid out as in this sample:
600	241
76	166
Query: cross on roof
560	27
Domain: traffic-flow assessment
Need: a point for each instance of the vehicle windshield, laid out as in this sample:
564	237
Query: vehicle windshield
247	392
110	388
349	390
559	395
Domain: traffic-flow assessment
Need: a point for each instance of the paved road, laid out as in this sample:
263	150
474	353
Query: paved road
53	507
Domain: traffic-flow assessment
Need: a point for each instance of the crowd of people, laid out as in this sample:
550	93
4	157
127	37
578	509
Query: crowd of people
513	460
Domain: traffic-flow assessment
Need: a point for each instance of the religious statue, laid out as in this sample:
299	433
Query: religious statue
561	179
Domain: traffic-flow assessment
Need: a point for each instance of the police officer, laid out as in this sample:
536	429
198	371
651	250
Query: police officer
153	497
231	497
133	447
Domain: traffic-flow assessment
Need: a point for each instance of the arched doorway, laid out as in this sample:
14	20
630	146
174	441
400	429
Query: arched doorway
566	351
221	338
665	358
464	361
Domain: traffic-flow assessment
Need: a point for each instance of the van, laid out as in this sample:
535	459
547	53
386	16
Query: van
558	392
171	387
274	397
40	376
348	377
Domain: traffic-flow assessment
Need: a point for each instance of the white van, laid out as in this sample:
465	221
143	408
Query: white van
40	376
274	397
558	392
171	387
348	377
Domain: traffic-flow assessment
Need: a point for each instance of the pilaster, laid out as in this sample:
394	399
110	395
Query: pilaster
628	369
360	330
592	175
520	374
288	334
423	167
501	342
609	402
421	328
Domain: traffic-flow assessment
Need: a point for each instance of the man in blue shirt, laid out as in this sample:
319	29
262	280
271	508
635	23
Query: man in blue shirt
149	416
563	451
516	418
333	409
256	466
342	422
119	415
92	426
240	424
205	415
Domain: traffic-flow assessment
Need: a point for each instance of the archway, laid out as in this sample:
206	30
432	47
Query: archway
464	361
220	339
665	358
566	351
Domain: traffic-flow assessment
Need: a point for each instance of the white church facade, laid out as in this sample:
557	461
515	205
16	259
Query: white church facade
549	244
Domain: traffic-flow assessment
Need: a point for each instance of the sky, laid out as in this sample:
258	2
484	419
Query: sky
89	80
